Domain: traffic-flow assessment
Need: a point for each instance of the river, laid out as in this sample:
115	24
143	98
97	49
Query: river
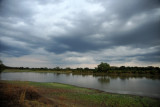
141	86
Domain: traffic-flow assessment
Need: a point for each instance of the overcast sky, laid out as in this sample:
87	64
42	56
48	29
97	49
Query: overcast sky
79	33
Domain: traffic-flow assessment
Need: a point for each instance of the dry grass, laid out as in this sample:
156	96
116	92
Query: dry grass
12	95
22	97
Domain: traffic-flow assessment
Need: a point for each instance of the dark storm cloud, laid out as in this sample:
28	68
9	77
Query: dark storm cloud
151	57
13	50
132	7
76	44
15	9
43	2
34	25
147	57
4	47
128	8
146	35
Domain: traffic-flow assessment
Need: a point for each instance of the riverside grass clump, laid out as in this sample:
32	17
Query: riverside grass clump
37	94
22	97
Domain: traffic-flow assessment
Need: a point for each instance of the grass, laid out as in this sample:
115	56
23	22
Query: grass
36	94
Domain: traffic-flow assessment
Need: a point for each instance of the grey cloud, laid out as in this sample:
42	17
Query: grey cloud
147	57
44	2
132	7
76	44
80	37
14	51
150	57
153	56
15	8
128	8
77	38
146	35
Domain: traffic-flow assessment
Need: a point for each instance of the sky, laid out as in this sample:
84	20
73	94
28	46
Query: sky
79	33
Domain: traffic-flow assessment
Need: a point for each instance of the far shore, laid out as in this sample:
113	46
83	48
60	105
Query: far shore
148	75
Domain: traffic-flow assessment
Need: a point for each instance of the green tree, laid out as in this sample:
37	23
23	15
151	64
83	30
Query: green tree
103	67
57	68
86	69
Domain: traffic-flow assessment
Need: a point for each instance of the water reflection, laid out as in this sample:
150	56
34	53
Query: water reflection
57	74
124	78
104	80
67	74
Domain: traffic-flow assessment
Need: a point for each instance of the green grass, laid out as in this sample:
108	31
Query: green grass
77	96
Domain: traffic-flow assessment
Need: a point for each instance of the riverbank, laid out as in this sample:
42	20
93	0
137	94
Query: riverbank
30	70
36	94
76	72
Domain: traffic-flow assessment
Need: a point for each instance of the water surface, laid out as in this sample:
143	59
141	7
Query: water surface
124	85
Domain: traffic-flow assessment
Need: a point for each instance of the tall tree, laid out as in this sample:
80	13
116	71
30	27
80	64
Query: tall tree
103	67
2	66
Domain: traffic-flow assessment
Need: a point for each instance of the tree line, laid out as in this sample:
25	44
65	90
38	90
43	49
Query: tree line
101	68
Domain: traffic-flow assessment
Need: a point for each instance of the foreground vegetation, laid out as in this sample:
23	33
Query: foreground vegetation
36	94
